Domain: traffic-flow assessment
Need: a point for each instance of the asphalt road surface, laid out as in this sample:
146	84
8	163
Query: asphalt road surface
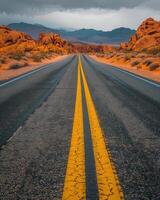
78	129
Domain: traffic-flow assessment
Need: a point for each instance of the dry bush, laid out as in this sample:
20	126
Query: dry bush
150	65
18	55
17	65
38	56
154	51
119	56
147	62
127	57
154	66
135	63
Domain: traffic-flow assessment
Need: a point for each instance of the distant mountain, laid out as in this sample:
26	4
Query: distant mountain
115	36
32	29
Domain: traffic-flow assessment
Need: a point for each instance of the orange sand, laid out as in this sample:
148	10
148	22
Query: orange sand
8	74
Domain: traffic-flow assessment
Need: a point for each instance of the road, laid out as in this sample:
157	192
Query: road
79	129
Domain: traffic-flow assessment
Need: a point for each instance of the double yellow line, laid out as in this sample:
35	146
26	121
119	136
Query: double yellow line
75	184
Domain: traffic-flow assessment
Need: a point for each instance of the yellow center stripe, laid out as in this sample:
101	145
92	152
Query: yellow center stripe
107	180
108	185
74	186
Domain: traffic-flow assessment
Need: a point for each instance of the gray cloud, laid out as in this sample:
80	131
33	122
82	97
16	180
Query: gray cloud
36	6
98	14
154	4
101	19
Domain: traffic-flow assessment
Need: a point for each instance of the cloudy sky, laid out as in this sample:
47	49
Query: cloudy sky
75	14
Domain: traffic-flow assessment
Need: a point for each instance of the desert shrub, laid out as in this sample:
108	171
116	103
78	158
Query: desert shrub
154	66
147	62
135	63
154	51
16	66
127	57
38	56
17	55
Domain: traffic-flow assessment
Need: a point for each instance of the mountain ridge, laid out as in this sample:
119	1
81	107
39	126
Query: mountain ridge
116	36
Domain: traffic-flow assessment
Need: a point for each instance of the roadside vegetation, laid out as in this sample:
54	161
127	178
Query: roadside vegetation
142	51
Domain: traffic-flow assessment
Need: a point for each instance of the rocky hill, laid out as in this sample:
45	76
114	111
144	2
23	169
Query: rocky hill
146	37
51	38
17	49
9	36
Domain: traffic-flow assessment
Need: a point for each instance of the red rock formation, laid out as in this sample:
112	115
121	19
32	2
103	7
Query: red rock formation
9	36
51	38
146	36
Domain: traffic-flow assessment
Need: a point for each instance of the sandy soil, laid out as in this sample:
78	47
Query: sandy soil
153	75
11	73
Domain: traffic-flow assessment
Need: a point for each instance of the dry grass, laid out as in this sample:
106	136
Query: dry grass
18	55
